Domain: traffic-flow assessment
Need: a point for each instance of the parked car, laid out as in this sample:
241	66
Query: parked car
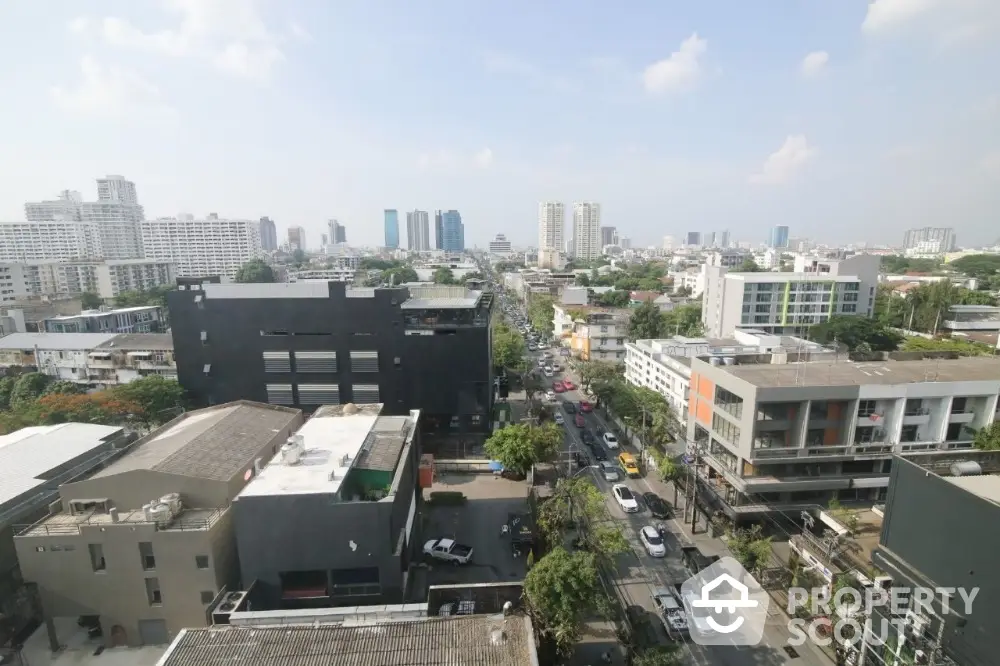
609	471
547	372
658	507
569	407
585	406
652	541
579	421
626	500
566	382
448	550
550	395
610	440
558	418
558	368
558	387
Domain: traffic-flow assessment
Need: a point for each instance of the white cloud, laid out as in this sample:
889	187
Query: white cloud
887	14
814	63
230	34
299	32
79	25
109	91
784	163
484	158
678	72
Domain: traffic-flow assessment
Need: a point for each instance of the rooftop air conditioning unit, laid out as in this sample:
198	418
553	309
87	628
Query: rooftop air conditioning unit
229	603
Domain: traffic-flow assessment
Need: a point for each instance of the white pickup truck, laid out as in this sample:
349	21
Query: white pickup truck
448	550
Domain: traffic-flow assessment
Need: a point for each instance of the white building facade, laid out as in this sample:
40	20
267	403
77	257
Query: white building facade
587	230
200	248
107	279
50	240
500	246
551	223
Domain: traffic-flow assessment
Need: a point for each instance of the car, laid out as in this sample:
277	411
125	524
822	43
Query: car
558	387
652	541
547	354
448	550
585	406
547	372
558	368
626	500
549	395
570	408
671	612
532	347
658	507
629	465
558	418
609	471
566	382
610	440
598	452
541	363
542	345
578	420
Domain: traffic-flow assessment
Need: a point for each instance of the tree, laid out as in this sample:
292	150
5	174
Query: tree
582	280
298	257
562	590
684	320
540	312
255	270
400	275
899	265
102	407
684	291
988	438
749	266
618	298
154	296
853	332
156	398
90	301
27	389
667	468
6	388
980	266
62	386
519	446
963	347
750	548
474	275
377	264
660	655
579	503
646	323
592	372
508	347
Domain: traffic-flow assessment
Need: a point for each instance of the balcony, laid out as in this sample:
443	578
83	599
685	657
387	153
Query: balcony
916	416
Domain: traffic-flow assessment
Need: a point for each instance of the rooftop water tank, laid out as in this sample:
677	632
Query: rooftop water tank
715	360
160	514
966	468
290	454
172	500
729	360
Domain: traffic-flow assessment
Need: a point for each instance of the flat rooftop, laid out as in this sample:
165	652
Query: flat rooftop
986	486
334	437
67	523
55	341
791	277
473	640
850	373
213	443
141	342
29	456
103	313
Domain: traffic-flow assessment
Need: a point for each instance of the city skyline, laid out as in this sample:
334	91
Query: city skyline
851	122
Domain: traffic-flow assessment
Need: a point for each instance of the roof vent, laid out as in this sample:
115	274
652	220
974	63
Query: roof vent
350	408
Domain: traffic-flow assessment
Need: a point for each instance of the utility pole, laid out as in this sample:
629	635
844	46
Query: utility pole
692	489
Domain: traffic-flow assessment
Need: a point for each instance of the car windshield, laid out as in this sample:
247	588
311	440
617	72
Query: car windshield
611	438
653	539
625	493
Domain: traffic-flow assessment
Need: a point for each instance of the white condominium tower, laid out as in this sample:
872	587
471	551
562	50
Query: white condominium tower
551	219
200	248
59	240
586	230
418	231
117	189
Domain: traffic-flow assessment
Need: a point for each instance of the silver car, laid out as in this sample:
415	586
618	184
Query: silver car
609	471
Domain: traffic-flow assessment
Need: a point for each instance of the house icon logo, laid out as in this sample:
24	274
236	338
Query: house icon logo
725	605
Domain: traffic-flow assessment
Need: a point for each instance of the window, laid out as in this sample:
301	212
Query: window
763	308
729	402
958	405
726	430
277	361
908	433
319	394
97	562
849	307
201	561
153	594
364	361
207	596
866	408
146	554
316	361
851	297
280	394
763	298
365	394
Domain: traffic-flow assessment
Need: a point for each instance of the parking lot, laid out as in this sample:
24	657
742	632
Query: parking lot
477	523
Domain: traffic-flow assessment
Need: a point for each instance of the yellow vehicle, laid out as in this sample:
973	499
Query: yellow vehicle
629	465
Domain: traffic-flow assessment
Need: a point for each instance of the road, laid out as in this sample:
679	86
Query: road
637	574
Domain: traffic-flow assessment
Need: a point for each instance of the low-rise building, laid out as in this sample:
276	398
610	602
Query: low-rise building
775	434
347	466
323	274
592	333
981	322
133	356
146	545
106	278
137	319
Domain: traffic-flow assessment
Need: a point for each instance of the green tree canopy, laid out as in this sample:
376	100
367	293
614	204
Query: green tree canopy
614	299
62	386
659	655
749	266
578	502
28	388
540	313
979	266
988	438
750	548
963	347
157	398
856	333
646	323
519	446
255	270
508	347
90	301
683	320
562	590
400	275
6	388
378	264
444	276
899	265
596	372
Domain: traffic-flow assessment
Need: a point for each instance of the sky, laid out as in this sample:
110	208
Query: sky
847	120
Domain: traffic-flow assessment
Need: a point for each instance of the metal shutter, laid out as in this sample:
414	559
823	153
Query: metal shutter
366	394
316	361
280	394
364	361
319	394
277	361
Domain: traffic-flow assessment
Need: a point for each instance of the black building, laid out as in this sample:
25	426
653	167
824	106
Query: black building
939	532
329	521
308	344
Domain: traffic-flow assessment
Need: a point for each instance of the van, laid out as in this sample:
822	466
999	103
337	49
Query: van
629	465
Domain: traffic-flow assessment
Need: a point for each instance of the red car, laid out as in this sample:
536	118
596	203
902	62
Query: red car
585	406
578	420
568	385
558	387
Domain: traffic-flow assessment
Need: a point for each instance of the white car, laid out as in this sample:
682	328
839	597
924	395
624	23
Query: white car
548	372
610	440
626	500
542	345
541	363
652	541
550	395
556	367
558	418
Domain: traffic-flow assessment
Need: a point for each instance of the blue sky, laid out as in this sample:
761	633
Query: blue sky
845	120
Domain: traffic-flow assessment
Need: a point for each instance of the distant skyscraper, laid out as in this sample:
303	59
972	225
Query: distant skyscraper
710	239
338	232
418	236
268	234
500	246
587	230
551	220
296	239
609	236
452	230
438	231
779	237
391	228
945	235
724	240
694	238
625	242
668	242
117	189
324	239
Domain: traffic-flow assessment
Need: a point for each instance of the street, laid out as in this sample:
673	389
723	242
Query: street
637	574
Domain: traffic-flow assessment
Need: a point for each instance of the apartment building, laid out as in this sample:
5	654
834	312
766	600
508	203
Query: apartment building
348	466
551	223
108	279
323	274
943	238
35	461
789	303
268	234
587	230
146	545
213	246
418	231
138	319
91	359
778	435
592	333
308	344
26	242
500	246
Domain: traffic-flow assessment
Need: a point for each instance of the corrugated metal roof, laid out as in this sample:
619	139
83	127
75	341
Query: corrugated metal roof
213	443
55	341
141	342
28	455
454	641
439	303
